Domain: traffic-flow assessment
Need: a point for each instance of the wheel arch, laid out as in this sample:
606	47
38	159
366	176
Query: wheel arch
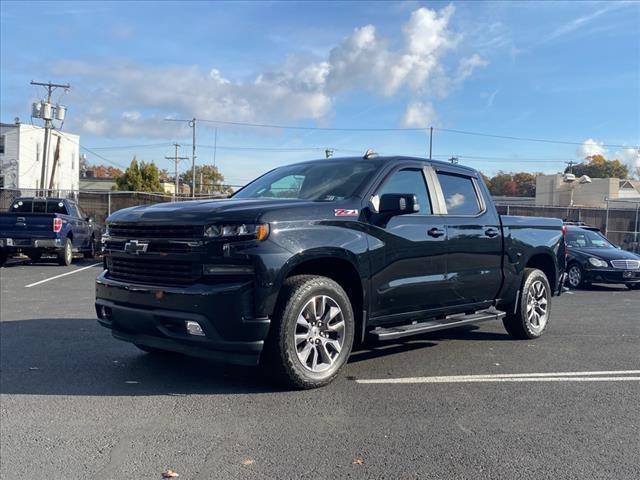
336	264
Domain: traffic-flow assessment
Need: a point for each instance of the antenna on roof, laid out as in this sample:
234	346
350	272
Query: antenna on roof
370	153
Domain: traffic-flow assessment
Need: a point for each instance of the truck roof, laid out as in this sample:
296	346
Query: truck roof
390	159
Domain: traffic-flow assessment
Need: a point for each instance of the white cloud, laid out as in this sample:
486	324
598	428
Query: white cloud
629	156
139	96
590	147
419	114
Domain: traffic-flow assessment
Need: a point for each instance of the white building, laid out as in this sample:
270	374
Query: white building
552	190
21	155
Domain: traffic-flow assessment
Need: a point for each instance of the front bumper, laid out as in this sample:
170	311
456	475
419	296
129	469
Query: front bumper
611	275
156	317
19	244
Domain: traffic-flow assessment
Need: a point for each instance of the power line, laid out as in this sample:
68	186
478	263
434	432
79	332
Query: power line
396	129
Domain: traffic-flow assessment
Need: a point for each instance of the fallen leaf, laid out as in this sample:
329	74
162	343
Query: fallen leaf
357	461
248	461
169	474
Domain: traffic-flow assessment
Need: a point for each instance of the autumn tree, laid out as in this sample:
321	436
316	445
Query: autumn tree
597	166
139	177
521	184
208	180
103	171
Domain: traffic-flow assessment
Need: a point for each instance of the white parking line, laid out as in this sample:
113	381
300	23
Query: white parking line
603	376
61	275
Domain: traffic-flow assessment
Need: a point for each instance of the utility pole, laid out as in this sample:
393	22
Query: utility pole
192	124
176	159
430	141
571	163
45	111
453	160
328	153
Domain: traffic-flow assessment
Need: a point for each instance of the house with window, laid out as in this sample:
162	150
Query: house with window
21	158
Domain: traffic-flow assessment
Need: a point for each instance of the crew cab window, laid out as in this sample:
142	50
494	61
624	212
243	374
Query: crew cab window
409	180
459	194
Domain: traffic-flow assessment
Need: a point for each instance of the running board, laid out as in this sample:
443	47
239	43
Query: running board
451	321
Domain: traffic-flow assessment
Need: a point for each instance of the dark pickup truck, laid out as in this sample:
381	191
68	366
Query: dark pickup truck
37	225
310	258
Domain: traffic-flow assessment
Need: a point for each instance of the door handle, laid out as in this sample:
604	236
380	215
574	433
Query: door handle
491	232
435	232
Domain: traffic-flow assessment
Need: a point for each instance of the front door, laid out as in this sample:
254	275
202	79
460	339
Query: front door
409	270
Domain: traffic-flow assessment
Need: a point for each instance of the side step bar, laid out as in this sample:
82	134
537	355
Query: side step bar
451	321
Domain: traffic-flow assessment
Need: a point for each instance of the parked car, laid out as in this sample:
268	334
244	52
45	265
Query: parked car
37	226
592	258
309	258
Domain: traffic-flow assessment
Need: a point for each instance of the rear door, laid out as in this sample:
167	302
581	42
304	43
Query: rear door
474	238
409	274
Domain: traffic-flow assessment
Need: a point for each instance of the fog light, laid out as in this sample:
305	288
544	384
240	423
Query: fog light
194	328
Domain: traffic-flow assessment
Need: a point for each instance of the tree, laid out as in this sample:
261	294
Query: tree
208	180
143	177
102	171
521	184
597	166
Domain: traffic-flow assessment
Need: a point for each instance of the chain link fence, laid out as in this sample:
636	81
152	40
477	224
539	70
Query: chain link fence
619	220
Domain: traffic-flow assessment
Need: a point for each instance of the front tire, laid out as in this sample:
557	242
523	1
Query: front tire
633	286
65	257
529	318
575	276
311	332
3	258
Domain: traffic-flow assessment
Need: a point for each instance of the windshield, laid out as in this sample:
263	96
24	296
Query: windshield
587	239
319	181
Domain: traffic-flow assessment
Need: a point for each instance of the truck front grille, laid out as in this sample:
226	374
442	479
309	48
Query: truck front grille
142	230
153	272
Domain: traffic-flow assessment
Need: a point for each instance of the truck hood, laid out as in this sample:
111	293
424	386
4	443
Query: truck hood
203	211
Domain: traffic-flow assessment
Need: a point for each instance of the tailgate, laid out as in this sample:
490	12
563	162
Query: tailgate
27	225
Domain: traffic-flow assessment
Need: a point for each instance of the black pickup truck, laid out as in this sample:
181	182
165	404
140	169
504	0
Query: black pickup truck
38	226
310	258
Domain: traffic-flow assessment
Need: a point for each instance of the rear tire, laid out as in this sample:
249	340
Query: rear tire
311	333
91	253
529	318
65	257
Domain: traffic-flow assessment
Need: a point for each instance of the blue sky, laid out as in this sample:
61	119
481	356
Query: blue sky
567	71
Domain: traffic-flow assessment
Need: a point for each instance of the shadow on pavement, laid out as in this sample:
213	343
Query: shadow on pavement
75	356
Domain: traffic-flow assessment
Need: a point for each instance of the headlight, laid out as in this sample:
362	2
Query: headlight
259	231
596	262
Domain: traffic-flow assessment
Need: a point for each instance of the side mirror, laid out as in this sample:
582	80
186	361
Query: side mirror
398	204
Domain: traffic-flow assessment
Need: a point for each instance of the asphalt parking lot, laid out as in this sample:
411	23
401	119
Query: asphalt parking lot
75	403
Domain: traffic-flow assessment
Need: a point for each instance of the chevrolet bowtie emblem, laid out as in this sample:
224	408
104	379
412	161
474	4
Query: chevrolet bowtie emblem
135	247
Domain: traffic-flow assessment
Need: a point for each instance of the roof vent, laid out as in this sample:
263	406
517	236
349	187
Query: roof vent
370	153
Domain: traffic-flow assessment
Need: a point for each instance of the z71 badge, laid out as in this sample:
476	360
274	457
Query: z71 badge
345	212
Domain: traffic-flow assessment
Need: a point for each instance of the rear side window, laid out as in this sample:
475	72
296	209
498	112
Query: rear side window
56	206
22	206
459	194
409	181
